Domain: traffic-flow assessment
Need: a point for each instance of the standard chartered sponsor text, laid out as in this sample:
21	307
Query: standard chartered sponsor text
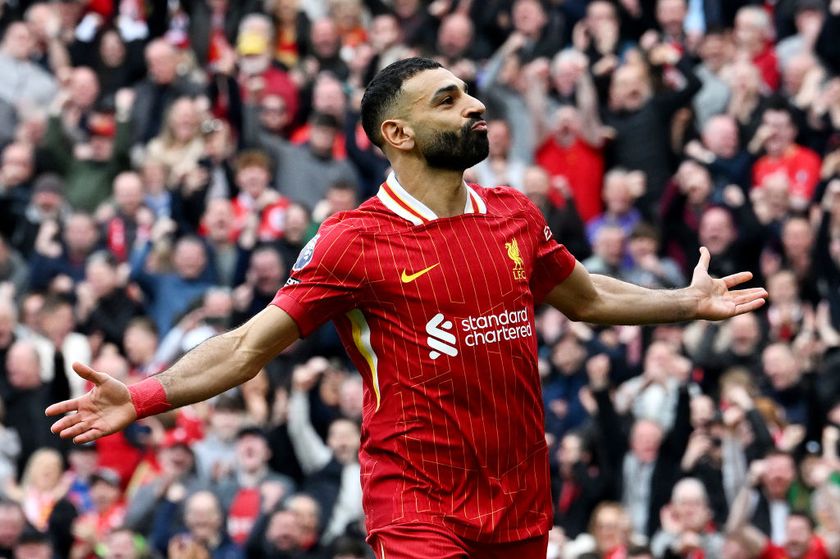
493	328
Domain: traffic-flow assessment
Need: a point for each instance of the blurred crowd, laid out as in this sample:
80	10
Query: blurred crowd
162	163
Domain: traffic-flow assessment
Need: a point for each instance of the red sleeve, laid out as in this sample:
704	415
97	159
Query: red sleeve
326	279
552	261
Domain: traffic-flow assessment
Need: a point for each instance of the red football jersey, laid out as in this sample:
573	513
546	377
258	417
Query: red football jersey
438	316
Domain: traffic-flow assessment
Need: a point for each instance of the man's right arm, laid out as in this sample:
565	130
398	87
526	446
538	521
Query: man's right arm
213	367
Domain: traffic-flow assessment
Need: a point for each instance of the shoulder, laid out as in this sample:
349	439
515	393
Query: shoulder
503	198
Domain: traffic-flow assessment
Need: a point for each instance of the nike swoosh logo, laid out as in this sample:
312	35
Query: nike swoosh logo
410	278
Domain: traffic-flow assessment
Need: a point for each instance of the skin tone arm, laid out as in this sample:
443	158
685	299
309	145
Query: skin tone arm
217	365
605	300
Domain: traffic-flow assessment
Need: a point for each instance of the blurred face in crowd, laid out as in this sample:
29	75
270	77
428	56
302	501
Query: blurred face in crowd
324	38
101	276
8	322
82	460
273	114
12	522
119	544
140	344
252	453
528	17
80	234
694	179
601	16
745	333
715	51
455	36
645	439
341	199
343	439
30	310
128	193
162	62
176	460
570	451
809	22
84	87
717	232
23	367
617	196
384	32
780	366
568	355
104	495
498	135
58	322
283	531
609	244
18	41
536	184
44	470
799	535
795	71
266	270
610	527
782	132
17	164
630	88
670	15
306	511
778	476
253	180
351	398
797	237
219	220
112	49
782	288
203	516
225	423
720	136
751	28
690	505
641	247
183	121
702	411
567	125
218	144
189	259
743	78
734	549
328	96
566	69
321	139
297	222
114	363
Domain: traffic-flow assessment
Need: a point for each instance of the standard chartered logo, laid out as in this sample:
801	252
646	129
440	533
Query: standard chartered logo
440	340
477	330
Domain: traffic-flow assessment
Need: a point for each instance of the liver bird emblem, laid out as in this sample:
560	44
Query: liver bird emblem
513	253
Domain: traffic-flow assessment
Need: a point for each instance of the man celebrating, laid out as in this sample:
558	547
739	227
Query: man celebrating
432	285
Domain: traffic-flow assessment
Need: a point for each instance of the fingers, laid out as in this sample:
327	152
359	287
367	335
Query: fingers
75	430
736	279
705	258
63	407
749	307
87	373
65	422
748	295
88	436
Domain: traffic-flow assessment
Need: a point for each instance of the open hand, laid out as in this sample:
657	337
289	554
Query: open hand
715	298
106	409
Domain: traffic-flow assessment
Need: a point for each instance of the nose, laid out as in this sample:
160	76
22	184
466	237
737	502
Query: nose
474	108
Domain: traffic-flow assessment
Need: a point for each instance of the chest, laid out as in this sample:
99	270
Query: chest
458	267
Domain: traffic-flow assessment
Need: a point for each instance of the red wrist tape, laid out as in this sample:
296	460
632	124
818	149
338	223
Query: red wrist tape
149	398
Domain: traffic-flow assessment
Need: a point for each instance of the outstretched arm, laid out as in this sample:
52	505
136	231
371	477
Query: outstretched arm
604	300
213	367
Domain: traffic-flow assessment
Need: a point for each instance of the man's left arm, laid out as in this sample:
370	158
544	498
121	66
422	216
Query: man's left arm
603	300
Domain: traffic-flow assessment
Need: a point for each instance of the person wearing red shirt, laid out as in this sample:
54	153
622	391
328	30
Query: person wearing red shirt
801	541
777	135
432	285
754	37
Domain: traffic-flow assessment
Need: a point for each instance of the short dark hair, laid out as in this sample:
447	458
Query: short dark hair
383	90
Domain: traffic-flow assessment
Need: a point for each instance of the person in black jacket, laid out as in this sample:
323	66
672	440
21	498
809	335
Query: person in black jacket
647	463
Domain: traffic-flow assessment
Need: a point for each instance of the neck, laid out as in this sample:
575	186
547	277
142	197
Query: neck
440	189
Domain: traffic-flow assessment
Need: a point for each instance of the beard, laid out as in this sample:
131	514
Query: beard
457	151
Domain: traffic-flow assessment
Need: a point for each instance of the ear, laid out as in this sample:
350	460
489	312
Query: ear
398	134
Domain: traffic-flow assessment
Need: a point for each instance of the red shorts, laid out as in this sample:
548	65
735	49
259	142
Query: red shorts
427	541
